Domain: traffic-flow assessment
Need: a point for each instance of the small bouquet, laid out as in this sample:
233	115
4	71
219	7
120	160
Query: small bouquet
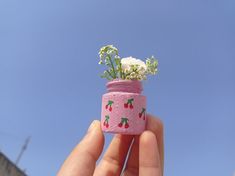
124	107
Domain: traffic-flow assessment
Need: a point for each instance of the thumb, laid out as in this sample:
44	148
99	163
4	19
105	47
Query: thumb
85	153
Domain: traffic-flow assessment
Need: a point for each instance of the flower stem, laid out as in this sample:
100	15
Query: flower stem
110	74
120	70
111	62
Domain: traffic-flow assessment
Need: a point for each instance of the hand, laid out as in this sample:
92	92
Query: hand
145	158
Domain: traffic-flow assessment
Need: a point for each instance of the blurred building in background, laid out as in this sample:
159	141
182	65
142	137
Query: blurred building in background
8	168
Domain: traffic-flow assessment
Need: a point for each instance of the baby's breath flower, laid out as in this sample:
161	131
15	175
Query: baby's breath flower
152	65
109	56
107	50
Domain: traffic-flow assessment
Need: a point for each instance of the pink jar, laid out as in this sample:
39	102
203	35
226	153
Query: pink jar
123	108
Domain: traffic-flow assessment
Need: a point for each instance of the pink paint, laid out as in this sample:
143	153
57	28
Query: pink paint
123	108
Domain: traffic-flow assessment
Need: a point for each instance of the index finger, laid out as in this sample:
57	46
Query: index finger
82	159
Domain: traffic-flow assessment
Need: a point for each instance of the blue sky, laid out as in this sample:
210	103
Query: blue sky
50	88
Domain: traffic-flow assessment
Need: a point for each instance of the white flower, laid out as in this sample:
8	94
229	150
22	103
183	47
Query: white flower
133	68
128	68
128	62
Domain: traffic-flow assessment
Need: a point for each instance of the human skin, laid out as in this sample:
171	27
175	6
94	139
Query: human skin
146	157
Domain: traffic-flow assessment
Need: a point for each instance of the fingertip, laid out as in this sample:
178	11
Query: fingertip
95	127
94	133
95	124
154	124
148	138
156	119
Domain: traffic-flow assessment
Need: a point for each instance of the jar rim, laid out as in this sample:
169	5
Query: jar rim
132	86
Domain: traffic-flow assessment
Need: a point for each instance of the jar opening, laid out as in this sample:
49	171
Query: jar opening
131	86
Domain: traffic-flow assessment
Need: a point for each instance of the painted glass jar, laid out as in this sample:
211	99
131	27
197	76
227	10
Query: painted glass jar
123	108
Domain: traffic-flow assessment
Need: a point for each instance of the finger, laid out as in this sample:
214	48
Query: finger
149	159
155	125
85	153
114	158
132	166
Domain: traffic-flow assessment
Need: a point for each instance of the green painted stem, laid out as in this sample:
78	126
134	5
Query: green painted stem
143	110
124	120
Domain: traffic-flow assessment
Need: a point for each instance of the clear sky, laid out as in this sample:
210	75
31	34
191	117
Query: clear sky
50	87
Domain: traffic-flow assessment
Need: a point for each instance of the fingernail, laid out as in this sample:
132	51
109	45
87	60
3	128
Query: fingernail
92	125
